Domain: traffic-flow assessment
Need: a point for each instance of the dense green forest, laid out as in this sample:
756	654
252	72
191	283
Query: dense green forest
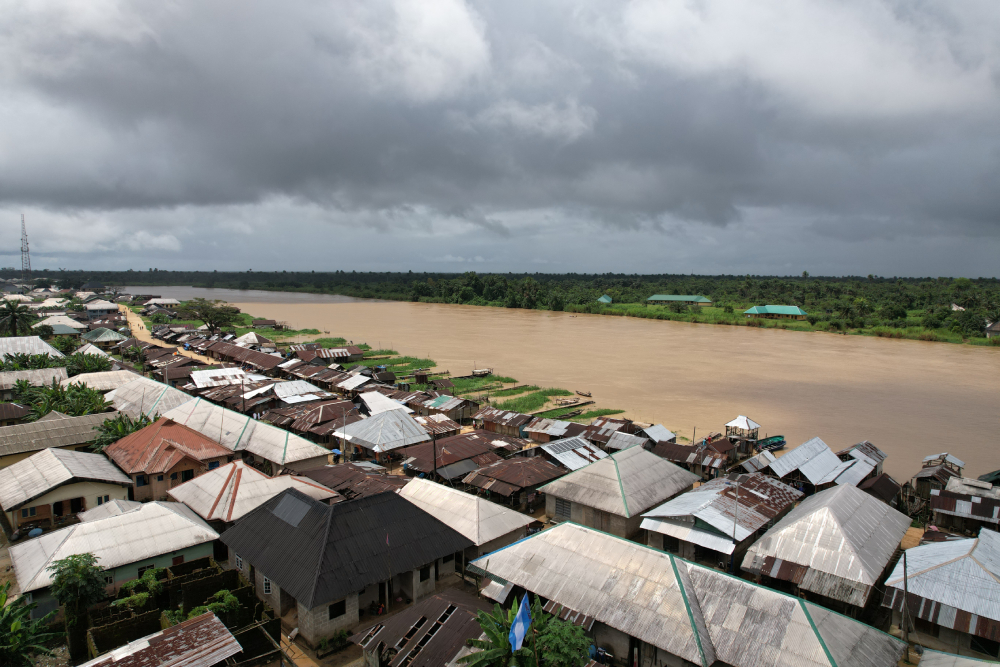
896	307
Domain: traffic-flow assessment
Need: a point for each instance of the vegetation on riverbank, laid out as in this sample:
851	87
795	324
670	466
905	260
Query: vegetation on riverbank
914	308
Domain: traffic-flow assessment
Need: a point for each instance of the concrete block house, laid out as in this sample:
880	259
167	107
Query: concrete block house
319	565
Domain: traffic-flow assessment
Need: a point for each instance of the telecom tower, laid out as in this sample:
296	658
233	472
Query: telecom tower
25	256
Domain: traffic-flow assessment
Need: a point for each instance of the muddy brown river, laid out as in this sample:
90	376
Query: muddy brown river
910	398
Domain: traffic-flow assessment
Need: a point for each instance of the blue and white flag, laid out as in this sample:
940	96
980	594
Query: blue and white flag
521	624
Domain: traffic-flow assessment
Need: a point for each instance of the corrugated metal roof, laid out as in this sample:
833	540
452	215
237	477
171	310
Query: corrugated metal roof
38	474
431	633
102	335
574	453
61	320
508	476
743	422
620	440
41	377
502	417
476	518
688	610
335	550
376	403
113	507
938	659
659	433
835	543
697	298
159	447
384	431
153	529
961	575
760	499
44	433
92	350
240	432
145	396
286	390
353	382
202	641
813	458
774	310
759	462
945	456
235	489
218	377
626	483
102	381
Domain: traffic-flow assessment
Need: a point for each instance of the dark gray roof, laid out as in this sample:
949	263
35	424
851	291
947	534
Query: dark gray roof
320	553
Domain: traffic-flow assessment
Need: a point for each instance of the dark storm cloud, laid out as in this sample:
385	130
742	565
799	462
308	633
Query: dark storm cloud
187	130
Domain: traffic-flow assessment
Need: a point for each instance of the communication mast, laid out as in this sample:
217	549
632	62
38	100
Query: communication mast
25	256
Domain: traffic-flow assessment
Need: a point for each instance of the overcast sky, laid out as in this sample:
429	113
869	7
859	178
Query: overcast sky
840	137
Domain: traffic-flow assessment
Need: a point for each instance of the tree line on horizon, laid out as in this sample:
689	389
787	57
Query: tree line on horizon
850	302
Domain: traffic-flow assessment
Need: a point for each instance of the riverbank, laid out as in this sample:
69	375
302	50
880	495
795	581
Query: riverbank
910	398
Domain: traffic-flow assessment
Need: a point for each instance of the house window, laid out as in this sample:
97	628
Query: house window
987	646
671	544
109	579
140	480
338	609
173	476
102	499
213	465
159	478
144	568
448	558
563	508
238	561
425	573
187	475
267	586
27	512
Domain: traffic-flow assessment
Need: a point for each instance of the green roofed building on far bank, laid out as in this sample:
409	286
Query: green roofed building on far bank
777	312
686	299
604	299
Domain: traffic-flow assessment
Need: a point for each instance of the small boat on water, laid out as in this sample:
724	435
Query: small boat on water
583	393
772	444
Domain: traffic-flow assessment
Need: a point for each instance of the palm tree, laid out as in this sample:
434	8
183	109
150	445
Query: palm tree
21	638
15	319
113	430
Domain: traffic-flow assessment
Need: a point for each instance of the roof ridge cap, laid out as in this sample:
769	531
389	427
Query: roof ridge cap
323	547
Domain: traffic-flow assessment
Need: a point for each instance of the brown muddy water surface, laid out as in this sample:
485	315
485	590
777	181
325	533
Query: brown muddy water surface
910	398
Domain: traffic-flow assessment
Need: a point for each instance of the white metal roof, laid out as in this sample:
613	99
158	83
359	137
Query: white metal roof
285	390
101	304
354	382
476	518
377	403
218	377
659	433
111	508
939	659
231	491
36	377
960	575
162	302
843	535
972	487
690	611
759	462
61	319
713	504
103	381
40	473
621	440
626	483
148	531
947	457
384	431
240	432
744	423
91	349
145	396
26	345
813	458
575	452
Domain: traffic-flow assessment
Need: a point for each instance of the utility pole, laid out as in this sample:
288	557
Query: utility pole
25	255
906	609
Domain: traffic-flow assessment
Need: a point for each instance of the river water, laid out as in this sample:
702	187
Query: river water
910	398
